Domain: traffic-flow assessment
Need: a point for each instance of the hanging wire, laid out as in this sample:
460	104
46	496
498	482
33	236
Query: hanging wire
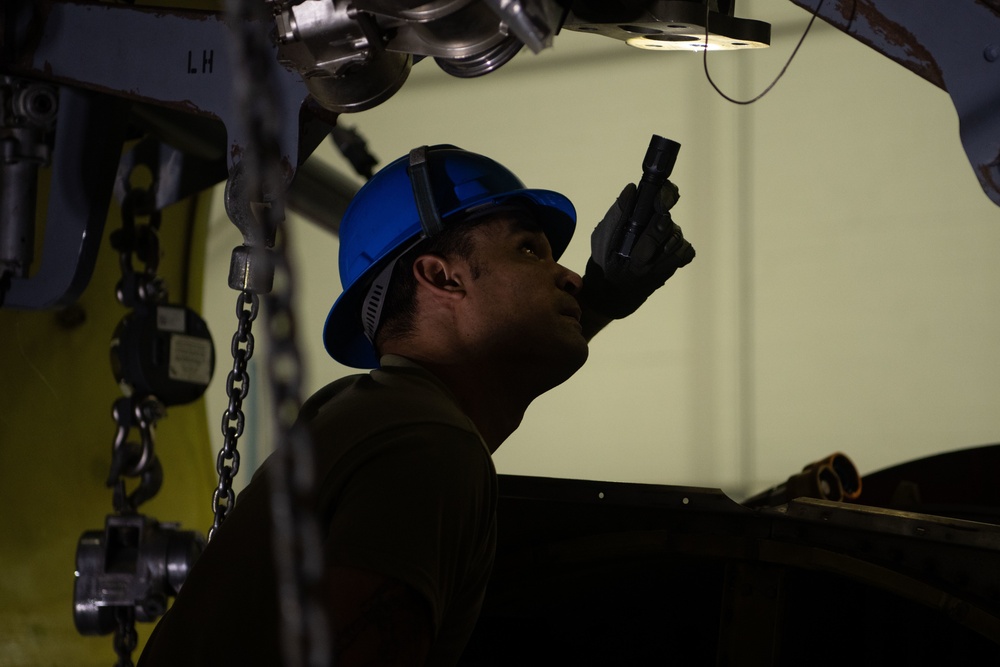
776	79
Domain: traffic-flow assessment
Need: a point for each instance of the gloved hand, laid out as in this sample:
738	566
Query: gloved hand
614	286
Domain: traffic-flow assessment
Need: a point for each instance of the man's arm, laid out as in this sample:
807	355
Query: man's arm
376	620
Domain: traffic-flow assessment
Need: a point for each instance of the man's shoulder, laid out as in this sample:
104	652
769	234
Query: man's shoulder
319	400
394	396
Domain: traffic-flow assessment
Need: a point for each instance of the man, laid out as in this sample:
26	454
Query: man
453	294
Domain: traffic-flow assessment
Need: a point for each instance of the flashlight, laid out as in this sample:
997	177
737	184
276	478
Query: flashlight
656	167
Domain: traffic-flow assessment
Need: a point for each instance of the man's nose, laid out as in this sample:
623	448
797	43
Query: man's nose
569	281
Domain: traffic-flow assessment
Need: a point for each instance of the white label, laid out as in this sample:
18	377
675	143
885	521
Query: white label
190	359
170	319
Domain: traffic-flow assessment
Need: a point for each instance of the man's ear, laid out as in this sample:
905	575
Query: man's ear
442	276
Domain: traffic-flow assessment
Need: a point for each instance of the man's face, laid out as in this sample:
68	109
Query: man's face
522	307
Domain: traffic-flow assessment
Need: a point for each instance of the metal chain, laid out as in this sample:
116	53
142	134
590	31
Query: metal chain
129	459
126	638
142	241
296	536
227	464
296	531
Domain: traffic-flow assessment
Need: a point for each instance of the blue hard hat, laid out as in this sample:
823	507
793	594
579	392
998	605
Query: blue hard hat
382	221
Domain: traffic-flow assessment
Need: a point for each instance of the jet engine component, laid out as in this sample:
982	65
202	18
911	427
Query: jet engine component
355	55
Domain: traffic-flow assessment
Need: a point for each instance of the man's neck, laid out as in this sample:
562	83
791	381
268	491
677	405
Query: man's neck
495	407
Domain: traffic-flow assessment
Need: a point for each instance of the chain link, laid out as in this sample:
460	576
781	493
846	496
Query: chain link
126	638
142	412
130	459
296	532
227	464
298	561
143	242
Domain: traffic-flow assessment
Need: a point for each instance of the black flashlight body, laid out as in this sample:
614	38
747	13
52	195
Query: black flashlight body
656	167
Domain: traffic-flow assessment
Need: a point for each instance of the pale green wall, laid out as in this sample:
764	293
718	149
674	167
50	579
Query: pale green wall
844	293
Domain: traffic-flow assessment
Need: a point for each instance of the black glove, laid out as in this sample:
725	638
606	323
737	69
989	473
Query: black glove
615	286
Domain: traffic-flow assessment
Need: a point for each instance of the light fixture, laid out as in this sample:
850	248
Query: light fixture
674	25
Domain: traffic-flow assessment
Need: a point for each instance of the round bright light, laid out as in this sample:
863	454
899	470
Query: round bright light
690	41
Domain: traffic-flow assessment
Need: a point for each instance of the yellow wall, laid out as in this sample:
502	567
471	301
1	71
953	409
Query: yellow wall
56	436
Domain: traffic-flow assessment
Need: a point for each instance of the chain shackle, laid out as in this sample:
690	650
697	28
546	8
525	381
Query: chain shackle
227	463
143	415
131	459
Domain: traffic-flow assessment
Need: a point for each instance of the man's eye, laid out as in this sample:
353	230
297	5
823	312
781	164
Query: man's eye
526	248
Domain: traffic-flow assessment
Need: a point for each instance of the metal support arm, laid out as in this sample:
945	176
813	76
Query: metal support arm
89	135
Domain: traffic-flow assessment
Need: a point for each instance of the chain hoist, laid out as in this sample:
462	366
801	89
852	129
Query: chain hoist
161	355
253	271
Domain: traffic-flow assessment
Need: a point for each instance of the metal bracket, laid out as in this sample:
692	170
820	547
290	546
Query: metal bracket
90	131
252	265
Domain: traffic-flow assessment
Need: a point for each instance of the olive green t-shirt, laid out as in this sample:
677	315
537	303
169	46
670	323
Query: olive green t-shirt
406	488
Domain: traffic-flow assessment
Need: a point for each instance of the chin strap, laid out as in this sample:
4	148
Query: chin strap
371	307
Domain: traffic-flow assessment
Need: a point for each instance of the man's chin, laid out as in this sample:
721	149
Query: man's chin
572	360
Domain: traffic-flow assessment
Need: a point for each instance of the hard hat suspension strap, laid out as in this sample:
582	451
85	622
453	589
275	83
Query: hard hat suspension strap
423	195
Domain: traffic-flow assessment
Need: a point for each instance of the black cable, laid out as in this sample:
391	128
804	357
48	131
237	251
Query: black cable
354	147
776	79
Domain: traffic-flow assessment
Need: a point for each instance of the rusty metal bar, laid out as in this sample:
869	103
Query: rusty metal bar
954	44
